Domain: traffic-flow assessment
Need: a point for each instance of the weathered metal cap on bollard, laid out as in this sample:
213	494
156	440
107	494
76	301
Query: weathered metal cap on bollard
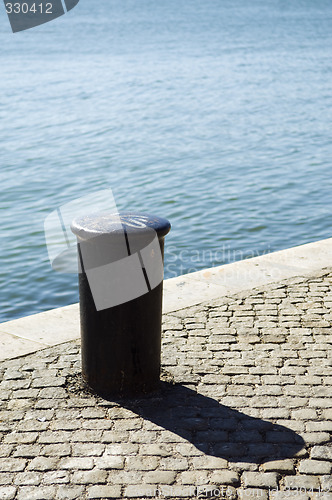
120	254
92	225
120	281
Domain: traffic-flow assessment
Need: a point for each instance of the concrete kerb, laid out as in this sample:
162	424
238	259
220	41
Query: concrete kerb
247	274
32	333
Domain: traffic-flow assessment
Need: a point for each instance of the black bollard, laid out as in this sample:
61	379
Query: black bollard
120	287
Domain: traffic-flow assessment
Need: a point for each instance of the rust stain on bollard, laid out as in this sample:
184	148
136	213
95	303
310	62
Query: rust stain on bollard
120	286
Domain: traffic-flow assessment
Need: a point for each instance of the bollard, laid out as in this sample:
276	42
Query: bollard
120	288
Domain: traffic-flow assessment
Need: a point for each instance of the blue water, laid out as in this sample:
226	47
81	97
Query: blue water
216	115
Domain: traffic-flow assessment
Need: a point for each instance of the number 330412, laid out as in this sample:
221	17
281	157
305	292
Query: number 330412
24	8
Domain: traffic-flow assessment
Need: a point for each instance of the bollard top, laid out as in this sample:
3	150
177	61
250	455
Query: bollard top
133	223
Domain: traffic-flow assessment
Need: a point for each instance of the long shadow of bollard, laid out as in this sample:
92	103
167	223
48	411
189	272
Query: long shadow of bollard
216	429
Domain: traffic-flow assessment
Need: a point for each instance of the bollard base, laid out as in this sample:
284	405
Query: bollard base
126	394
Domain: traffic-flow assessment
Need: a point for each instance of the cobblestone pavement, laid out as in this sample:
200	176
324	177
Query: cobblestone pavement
245	409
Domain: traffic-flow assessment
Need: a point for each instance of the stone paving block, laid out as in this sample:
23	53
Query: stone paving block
252	494
45	404
83	449
95	424
308	380
324	425
141	463
12	464
140	491
52	393
50	437
327	413
43	464
84	463
295	425
27	451
315	438
302	453
260	479
321	496
95	476
320	403
15	385
92	413
5	450
65	425
187	450
121	449
101	491
56	477
69	492
36	493
127	424
150	437
315	467
322	452
109	462
67	413
21	437
225	477
47	382
326	482
288	494
125	477
244	465
27	478
114	436
305	414
32	425
193	477
306	482
208	462
56	450
7	492
275	413
247	436
4	427
119	412
80	402
11	374
173	464
186	492
87	436
7	478
279	466
160	477
163	450
267	390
